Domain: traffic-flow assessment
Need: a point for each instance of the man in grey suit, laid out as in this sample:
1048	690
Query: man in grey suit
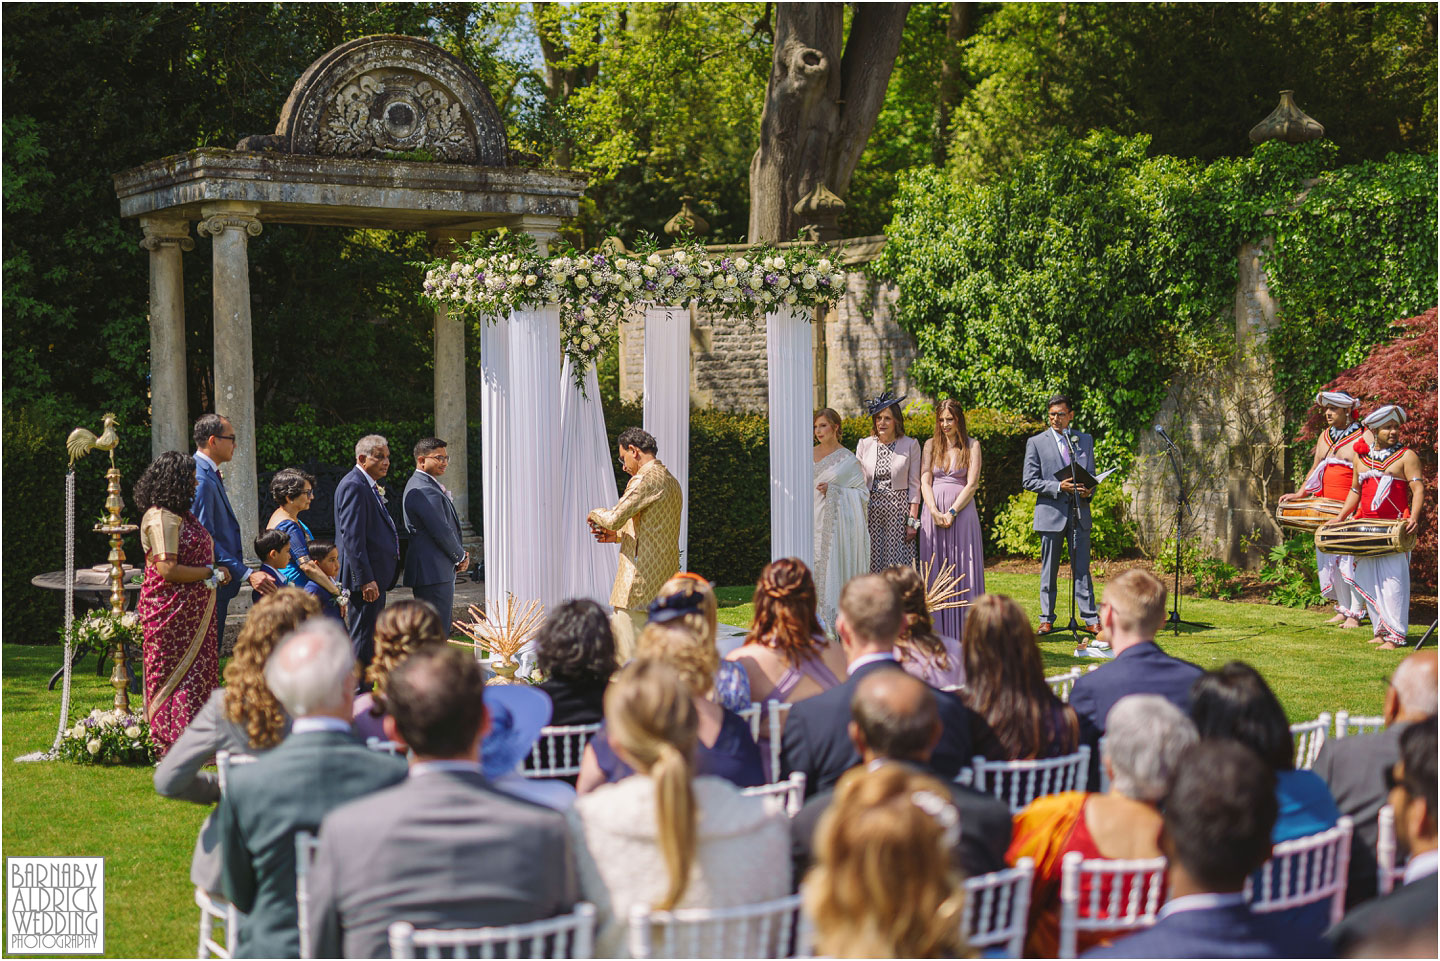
1354	767
1057	517
442	849
321	765
435	554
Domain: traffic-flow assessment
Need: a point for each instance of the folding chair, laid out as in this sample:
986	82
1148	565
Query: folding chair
1104	895
566	936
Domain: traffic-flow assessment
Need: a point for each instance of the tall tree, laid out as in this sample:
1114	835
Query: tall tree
824	94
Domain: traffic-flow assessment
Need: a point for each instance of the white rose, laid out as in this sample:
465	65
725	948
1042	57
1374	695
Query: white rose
132	731
809	282
767	297
77	731
756	281
650	272
742	265
515	280
582	281
732	281
530	280
109	720
681	257
493	281
596	280
783	282
666	281
626	285
706	268
622	264
586	331
791	297
96	713
824	265
588	312
692	282
654	260
93	745
458	268
130	620
836	280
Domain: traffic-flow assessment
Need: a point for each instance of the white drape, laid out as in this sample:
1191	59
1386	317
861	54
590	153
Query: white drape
667	399
533	456
495	446
791	364
587	568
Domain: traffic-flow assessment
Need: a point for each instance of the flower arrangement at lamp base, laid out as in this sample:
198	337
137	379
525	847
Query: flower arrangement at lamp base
109	737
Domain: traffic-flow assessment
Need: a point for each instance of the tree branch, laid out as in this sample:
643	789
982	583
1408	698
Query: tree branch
865	71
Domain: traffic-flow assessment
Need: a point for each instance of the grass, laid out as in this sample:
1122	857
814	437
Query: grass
56	808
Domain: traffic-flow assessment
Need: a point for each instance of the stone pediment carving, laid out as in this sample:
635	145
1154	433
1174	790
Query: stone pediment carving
382	95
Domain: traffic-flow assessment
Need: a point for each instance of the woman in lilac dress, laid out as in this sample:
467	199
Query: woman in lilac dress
950	524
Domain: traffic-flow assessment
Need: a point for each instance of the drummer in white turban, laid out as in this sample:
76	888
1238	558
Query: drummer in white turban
1384	582
1330	476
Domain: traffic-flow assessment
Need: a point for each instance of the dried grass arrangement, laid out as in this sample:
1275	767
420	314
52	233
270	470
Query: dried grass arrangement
942	588
504	638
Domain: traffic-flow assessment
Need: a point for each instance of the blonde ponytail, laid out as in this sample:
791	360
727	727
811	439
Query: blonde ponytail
650	714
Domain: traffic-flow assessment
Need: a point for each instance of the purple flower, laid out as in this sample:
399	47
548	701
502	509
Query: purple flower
825	281
649	285
673	271
725	264
454	277
599	260
771	279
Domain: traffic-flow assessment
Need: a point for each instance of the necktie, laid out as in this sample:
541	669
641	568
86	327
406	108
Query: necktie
1064	448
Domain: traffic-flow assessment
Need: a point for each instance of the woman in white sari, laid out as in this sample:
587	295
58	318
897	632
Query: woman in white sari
842	527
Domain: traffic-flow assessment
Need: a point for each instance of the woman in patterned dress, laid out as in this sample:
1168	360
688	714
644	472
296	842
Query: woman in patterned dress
177	599
891	462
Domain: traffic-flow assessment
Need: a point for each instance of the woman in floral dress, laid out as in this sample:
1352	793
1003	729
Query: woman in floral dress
891	462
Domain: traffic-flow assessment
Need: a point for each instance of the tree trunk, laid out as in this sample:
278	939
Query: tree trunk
820	105
957	31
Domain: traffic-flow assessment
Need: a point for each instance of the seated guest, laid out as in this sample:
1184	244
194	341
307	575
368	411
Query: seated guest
895	719
725	748
1147	736
817	738
1234	703
400	630
575	651
884	885
786	655
1402	923
518	712
690	599
1216	830
1015	715
242	717
327	561
443	848
320	766
273	549
669	837
934	658
1354	767
1131	612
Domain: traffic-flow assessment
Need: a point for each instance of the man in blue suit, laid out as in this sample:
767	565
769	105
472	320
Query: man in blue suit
1134	609
367	542
1218	819
1045	454
214	438
436	553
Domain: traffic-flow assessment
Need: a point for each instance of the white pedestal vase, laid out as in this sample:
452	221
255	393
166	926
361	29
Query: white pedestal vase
588	482
667	399
791	363
534	506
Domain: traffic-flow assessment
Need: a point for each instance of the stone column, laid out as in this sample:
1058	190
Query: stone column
169	415
231	224
450	394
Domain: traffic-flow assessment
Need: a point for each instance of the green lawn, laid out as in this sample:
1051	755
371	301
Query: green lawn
62	809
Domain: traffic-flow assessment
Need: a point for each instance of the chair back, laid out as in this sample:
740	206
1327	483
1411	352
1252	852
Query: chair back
1347	724
1061	684
1309	737
306	844
1104	895
1387	872
768	718
384	746
566	936
558	751
997	908
1305	871
216	910
791	791
764	930
223	762
1017	783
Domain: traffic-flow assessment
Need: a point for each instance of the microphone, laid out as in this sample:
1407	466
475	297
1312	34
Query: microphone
1161	431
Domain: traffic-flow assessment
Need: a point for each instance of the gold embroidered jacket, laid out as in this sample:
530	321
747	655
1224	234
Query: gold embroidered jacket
648	521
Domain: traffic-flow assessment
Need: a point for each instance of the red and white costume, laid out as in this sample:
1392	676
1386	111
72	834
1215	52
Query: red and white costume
1383	582
1332	478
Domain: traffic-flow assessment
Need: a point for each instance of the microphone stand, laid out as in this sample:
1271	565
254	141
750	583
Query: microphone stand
1173	452
1071	522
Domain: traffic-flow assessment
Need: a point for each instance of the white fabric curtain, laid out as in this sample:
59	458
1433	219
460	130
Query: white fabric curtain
587	568
791	363
495	448
533	456
667	399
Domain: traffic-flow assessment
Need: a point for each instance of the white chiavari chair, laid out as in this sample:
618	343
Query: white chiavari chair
1100	895
1305	871
791	792
567	936
997	908
1019	782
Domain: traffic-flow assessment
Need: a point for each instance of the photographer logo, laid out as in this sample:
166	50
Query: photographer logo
55	905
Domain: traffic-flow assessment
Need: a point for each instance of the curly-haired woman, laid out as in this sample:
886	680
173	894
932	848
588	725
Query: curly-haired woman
575	650
400	630
177	598
241	717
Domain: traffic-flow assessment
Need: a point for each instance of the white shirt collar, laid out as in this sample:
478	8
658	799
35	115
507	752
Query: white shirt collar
421	768
1422	865
208	459
1200	902
368	479
310	725
875	658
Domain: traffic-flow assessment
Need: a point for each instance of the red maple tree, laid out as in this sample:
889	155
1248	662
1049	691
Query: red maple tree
1402	371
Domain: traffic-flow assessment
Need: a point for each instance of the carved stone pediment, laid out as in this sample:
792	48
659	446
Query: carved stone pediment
387	95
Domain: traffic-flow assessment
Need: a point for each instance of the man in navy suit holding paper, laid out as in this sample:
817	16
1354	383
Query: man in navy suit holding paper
436	553
214	438
367	542
1046	454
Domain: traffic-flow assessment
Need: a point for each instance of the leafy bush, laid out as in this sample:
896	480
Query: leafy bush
1190	554
1013	531
1215	578
1112	535
1290	566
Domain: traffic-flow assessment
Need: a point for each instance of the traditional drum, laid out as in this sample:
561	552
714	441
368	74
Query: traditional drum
1365	537
1307	513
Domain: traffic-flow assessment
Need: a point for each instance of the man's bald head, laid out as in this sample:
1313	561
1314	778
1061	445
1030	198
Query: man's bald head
895	717
1414	686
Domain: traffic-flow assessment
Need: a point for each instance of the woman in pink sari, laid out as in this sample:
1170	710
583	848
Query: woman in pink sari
177	599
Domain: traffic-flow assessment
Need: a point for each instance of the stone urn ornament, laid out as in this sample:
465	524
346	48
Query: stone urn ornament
1287	122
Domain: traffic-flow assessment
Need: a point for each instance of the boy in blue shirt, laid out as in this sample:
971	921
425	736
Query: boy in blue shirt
273	549
324	554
